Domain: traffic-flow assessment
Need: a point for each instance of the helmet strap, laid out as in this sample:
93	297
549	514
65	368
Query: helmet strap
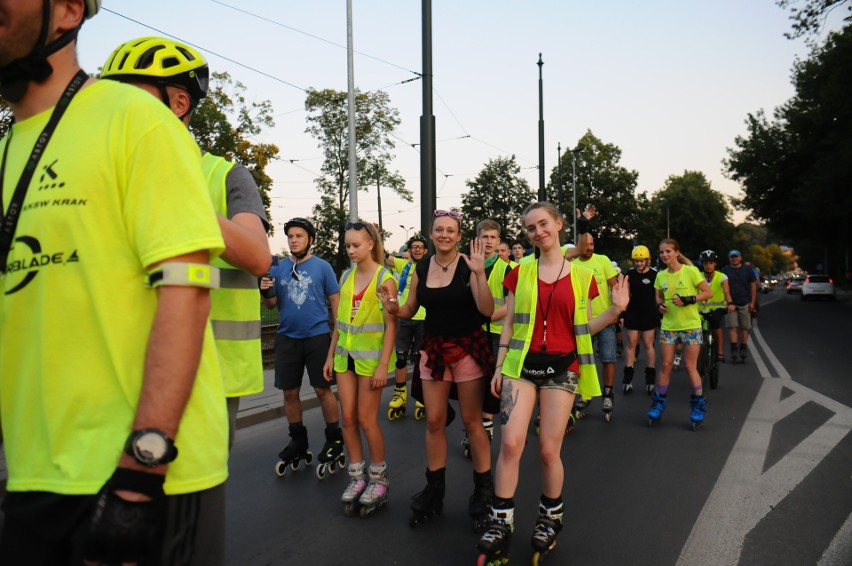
34	67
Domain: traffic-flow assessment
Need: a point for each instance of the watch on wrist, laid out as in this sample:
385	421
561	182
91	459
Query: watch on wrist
151	447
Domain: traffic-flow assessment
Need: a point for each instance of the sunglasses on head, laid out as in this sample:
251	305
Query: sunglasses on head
356	226
450	213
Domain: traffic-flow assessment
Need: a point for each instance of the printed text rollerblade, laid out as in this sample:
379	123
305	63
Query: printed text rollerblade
495	542
331	458
295	452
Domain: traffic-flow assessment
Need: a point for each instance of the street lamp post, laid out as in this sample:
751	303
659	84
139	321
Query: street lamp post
542	194
574	191
406	230
559	177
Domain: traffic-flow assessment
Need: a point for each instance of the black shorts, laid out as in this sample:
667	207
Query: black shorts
716	318
409	336
294	355
642	322
44	529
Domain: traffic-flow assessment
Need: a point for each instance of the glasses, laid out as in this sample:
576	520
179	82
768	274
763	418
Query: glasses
417	248
294	273
450	213
356	226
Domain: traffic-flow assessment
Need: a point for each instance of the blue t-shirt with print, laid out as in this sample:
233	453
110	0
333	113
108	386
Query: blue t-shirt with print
302	300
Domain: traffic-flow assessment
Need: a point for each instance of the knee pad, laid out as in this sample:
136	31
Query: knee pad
401	360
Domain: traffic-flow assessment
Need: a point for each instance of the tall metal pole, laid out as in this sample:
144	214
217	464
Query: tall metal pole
542	194
574	190
350	71
559	177
428	201
379	196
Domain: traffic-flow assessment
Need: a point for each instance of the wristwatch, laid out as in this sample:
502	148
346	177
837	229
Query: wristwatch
151	447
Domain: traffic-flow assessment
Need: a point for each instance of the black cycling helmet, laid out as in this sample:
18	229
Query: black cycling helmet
303	223
413	239
708	255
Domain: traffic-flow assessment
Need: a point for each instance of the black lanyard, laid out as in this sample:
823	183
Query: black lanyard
10	219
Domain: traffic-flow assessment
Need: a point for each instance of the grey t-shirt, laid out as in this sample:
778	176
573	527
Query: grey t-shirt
243	195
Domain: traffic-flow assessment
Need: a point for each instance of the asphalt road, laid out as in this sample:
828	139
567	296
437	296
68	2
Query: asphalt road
766	481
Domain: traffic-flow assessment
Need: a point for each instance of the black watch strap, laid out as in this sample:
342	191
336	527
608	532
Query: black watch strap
142	456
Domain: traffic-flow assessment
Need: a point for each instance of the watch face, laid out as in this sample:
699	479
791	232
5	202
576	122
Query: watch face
150	446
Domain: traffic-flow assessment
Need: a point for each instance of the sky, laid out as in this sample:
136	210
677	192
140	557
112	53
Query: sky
670	82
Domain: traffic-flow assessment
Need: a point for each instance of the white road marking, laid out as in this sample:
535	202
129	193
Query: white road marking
744	494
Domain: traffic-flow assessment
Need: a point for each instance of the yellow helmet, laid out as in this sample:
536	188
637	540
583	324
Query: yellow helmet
159	61
640	252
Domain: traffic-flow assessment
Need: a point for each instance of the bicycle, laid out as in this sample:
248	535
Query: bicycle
708	363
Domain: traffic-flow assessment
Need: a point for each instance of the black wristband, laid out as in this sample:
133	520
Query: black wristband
135	480
582	225
689	300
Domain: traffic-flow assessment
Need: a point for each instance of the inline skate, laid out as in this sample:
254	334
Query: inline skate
627	380
650	380
376	494
676	362
699	407
547	528
396	407
479	503
568	427
658	405
357	486
429	502
419	411
608	403
488	425
743	353
331	458
495	542
580	408
295	452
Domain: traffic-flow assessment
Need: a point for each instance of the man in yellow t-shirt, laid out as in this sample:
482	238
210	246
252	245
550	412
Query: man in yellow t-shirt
110	390
604	341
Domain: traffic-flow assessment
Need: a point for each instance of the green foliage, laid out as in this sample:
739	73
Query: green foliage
796	169
809	18
693	213
498	192
328	122
224	124
5	117
606	184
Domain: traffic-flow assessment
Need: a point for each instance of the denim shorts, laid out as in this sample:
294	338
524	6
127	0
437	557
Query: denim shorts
604	342
685	337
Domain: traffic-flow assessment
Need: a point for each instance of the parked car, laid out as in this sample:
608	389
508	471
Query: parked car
794	285
818	286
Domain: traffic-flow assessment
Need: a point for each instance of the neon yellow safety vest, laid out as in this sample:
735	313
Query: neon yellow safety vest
717	301
234	310
363	337
495	283
526	299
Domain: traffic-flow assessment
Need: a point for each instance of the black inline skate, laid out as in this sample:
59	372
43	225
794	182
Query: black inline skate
547	528
495	542
295	452
480	501
650	380
608	403
627	380
331	458
430	501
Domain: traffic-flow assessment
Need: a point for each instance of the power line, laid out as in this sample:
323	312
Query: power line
318	38
235	62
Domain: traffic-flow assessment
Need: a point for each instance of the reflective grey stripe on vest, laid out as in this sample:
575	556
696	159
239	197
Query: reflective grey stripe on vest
236	330
581	329
358	354
354	329
236	279
515	344
586	359
522	318
714	304
499	301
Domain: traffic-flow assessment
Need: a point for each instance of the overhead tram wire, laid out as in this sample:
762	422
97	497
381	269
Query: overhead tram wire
224	57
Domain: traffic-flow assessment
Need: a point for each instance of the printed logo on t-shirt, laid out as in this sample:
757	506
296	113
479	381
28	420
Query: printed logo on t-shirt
49	178
26	259
298	289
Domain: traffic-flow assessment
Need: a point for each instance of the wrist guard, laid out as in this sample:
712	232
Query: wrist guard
582	225
690	300
124	531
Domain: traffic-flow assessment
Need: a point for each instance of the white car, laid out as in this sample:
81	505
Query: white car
818	286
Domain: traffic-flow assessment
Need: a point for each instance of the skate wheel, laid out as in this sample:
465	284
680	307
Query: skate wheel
467	453
608	417
419	414
280	468
696	425
341	462
321	471
294	465
366	512
309	457
651	423
349	509
480	525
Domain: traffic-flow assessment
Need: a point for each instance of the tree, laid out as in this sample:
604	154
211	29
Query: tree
606	184
809	19
224	123
690	211
498	192
5	117
328	122
795	169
